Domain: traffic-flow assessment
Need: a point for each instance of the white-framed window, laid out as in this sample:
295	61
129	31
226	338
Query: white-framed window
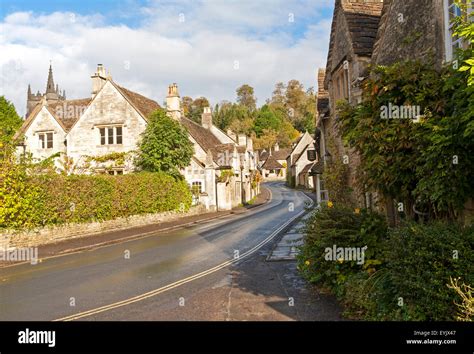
115	172
451	11
111	135
45	140
196	187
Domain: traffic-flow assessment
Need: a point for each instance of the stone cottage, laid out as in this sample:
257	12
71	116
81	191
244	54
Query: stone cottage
87	133
378	33
272	163
353	32
299	170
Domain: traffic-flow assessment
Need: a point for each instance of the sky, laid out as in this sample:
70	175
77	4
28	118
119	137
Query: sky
208	47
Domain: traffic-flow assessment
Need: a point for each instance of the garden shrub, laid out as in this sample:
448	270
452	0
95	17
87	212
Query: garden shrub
420	259
52	199
343	227
407	270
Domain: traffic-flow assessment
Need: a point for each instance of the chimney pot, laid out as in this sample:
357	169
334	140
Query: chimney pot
206	118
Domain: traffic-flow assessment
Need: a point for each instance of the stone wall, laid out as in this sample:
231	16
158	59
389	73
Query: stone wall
108	108
44	122
410	29
53	234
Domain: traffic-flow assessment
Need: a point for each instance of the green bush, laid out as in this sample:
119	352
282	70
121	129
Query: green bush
53	199
20	202
342	227
420	259
406	272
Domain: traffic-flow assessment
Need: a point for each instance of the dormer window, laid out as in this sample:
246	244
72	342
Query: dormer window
45	140
111	135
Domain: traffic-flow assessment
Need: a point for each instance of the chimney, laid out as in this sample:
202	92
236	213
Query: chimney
98	79
206	118
173	102
277	147
242	140
249	144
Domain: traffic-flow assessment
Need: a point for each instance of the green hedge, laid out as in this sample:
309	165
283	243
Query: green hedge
346	228
406	269
52	199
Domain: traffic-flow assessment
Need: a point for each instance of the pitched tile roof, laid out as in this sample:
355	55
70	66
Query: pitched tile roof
363	29
222	149
281	154
143	104
28	121
263	155
307	168
362	18
271	164
68	111
203	136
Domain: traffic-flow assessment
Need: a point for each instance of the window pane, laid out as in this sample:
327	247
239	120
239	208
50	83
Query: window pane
41	141
118	132
102	136
49	137
120	172
110	136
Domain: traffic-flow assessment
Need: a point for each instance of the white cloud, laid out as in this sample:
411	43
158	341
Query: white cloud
199	54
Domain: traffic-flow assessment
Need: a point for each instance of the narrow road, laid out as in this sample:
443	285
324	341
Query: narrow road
182	274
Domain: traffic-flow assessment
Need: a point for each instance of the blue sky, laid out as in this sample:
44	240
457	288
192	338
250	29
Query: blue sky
209	47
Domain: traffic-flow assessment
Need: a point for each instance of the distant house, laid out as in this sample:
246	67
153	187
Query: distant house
222	172
298	165
272	163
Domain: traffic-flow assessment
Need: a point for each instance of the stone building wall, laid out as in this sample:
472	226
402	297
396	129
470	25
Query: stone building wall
108	108
44	122
410	29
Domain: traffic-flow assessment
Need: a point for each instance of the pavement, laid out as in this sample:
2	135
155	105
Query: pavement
214	270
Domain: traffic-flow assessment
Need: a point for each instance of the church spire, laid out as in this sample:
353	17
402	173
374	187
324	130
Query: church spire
29	90
50	84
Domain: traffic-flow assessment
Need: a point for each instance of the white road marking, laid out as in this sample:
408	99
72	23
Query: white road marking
185	280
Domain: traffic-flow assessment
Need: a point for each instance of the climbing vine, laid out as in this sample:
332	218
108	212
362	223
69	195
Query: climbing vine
425	160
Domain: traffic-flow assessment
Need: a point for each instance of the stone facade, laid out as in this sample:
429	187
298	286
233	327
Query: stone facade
378	33
353	34
299	166
272	163
411	29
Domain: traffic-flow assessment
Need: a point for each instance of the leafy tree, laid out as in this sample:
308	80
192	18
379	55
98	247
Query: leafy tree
165	145
278	95
246	98
196	109
267	139
10	121
266	119
287	134
187	103
233	116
